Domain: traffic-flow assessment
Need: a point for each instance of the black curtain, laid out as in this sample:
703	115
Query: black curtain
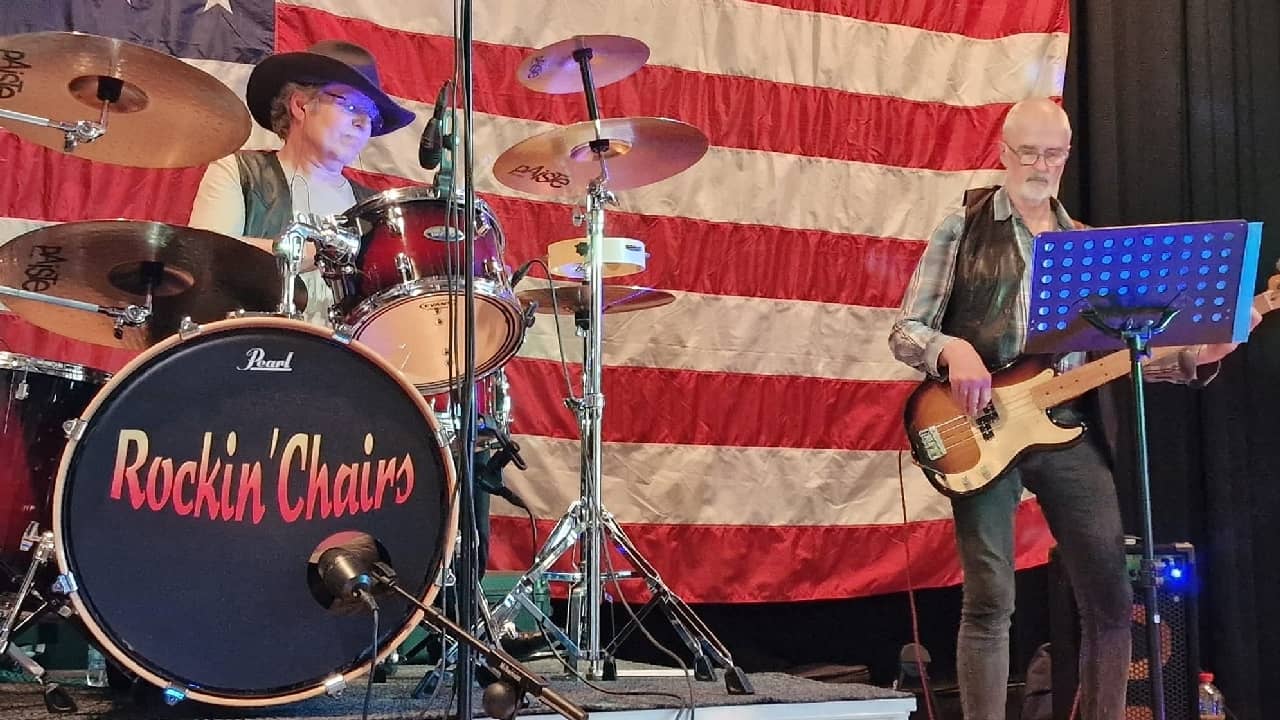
1176	109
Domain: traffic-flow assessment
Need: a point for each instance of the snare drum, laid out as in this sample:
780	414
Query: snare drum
493	405
405	291
39	396
201	485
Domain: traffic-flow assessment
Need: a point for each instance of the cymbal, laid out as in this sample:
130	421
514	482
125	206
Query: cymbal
203	275
554	70
169	114
561	163
577	298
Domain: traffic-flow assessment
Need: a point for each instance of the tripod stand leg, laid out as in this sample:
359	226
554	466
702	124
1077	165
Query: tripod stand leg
485	627
493	622
43	551
56	700
702	643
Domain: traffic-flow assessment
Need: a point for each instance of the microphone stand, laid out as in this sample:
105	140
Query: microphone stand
512	676
468	576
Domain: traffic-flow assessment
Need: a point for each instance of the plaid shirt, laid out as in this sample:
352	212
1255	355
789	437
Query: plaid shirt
917	341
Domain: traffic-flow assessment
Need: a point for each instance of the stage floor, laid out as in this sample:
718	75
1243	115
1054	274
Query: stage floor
777	697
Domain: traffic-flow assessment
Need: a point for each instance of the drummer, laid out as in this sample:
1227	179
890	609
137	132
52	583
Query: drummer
325	104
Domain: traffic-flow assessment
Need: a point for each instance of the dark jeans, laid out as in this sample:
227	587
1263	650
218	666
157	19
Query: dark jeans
1078	497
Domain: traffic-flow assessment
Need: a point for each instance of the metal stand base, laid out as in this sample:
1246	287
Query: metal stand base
707	650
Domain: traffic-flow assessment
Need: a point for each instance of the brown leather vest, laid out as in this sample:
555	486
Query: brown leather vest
988	277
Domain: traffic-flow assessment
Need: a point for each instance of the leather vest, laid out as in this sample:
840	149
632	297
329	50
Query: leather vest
988	278
268	201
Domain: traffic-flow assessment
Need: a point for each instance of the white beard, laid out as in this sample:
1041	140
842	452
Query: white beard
1034	192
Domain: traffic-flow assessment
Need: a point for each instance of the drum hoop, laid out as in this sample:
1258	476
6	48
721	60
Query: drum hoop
56	368
492	293
109	644
377	203
371	307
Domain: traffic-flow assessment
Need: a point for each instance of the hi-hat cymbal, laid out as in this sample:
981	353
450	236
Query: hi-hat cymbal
555	70
573	299
201	275
639	152
169	114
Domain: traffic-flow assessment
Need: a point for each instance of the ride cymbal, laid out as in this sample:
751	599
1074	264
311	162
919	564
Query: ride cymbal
165	113
193	273
554	69
635	151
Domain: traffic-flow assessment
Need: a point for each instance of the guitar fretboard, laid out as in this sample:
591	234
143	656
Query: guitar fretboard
1081	380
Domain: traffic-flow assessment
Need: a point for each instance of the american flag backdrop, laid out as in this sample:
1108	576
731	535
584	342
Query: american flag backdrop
753	427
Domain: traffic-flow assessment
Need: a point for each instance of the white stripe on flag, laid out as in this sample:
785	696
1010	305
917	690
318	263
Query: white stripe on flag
711	485
738	37
720	333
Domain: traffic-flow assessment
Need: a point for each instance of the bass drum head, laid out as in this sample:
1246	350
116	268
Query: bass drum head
206	479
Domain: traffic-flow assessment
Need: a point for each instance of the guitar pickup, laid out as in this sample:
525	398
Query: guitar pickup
931	443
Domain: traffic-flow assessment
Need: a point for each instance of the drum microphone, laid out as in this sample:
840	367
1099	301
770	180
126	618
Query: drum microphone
345	574
431	147
521	271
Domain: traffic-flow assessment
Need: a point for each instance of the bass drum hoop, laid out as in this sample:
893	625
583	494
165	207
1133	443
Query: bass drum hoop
109	644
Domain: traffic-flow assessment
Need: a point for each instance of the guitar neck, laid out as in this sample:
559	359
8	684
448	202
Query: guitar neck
1073	384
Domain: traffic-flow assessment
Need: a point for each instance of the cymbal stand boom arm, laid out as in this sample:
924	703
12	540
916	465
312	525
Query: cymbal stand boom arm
130	315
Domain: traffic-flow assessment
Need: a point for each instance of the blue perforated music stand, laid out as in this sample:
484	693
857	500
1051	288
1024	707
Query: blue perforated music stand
1205	271
1133	288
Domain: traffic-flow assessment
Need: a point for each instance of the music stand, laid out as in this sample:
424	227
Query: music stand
1122	287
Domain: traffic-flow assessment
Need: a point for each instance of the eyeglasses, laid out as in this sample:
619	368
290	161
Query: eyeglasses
359	107
1053	157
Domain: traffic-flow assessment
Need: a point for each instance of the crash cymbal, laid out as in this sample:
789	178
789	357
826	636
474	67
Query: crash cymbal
201	275
577	298
640	151
169	114
553	69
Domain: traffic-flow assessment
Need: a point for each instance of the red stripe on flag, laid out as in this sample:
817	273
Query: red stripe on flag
749	260
687	407
49	185
19	336
720	258
752	563
985	20
837	124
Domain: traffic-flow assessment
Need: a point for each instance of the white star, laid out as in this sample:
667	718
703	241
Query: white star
208	4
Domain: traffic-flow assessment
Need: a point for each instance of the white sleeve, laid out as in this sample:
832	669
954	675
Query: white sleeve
219	203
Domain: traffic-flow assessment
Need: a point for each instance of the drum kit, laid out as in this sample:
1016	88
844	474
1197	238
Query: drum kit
177	509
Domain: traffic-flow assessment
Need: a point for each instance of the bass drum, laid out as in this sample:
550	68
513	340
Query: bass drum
204	481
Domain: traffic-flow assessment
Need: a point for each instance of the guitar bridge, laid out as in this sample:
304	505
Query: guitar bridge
931	443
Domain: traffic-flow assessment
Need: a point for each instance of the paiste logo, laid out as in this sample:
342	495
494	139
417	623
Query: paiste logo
11	69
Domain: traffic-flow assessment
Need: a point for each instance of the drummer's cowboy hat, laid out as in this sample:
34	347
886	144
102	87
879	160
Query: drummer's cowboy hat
328	61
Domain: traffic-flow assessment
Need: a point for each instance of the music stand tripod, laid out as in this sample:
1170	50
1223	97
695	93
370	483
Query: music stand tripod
1101	288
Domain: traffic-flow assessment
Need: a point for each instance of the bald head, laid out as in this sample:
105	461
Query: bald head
1036	141
1035	116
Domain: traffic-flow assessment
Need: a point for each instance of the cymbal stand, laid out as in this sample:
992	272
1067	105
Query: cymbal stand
587	520
82	131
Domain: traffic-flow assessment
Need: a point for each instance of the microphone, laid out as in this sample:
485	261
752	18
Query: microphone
431	147
346	574
521	271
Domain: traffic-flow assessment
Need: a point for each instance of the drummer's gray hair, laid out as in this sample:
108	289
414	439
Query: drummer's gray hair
281	119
